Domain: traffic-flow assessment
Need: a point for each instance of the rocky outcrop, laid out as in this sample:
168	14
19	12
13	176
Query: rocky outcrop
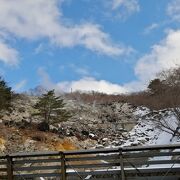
92	125
103	123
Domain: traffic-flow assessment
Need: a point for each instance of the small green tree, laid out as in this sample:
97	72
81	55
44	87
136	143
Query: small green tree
156	86
5	95
51	108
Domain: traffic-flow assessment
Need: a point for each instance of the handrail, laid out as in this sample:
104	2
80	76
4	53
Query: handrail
94	151
111	162
153	147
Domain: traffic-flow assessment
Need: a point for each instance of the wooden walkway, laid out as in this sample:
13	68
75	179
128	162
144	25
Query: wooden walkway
151	162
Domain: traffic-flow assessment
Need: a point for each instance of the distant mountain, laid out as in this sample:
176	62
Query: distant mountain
37	91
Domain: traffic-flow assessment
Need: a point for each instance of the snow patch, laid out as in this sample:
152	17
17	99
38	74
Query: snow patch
146	133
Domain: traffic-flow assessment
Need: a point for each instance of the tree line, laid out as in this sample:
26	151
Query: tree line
163	92
49	107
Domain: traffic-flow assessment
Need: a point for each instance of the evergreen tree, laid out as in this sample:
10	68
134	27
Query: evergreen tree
5	95
51	108
156	86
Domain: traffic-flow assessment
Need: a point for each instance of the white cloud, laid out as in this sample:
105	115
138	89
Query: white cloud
163	56
131	5
135	86
37	19
8	55
125	7
91	84
39	48
150	28
20	85
173	10
84	84
82	70
45	79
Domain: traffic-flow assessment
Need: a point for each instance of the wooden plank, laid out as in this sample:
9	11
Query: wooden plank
35	154
109	155
3	169
116	171
98	172
93	178
149	154
129	172
154	162
153	170
154	147
17	176
2	156
92	151
90	166
3	163
105	178
51	160
36	168
2	177
98	157
96	151
77	178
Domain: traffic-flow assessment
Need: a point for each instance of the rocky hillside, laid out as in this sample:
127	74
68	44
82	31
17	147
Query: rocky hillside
93	125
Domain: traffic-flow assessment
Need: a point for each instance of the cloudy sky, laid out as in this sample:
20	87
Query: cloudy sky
111	46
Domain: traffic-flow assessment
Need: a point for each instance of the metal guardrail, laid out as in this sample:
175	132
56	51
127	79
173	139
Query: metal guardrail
118	163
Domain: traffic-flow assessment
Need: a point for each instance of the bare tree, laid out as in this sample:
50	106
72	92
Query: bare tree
168	92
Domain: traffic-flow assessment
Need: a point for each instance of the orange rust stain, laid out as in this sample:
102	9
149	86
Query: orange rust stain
68	145
2	141
47	139
64	145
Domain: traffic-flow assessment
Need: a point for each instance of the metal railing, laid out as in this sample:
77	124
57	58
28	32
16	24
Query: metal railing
118	163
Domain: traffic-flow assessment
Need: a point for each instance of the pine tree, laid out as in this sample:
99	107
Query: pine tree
5	95
51	108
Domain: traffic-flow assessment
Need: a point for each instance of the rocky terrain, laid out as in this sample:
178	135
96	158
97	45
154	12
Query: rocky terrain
93	125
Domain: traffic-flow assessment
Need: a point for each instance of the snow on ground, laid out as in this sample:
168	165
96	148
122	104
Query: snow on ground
146	132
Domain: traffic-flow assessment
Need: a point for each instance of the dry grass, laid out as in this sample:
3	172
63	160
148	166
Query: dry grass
165	99
12	138
92	97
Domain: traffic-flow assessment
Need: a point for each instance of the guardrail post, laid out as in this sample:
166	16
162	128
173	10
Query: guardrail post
63	166
121	164
9	168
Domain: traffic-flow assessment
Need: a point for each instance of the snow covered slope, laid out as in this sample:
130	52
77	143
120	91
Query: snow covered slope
146	132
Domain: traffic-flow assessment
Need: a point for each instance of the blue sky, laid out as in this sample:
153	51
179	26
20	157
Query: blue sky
111	46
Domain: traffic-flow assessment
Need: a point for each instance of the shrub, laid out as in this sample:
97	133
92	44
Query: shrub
5	95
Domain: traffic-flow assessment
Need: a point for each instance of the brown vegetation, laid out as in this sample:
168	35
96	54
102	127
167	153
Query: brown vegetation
162	92
13	140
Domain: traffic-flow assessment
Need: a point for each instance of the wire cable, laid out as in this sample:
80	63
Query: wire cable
135	168
169	169
74	169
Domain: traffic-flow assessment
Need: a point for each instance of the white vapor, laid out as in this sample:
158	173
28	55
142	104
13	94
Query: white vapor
20	85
